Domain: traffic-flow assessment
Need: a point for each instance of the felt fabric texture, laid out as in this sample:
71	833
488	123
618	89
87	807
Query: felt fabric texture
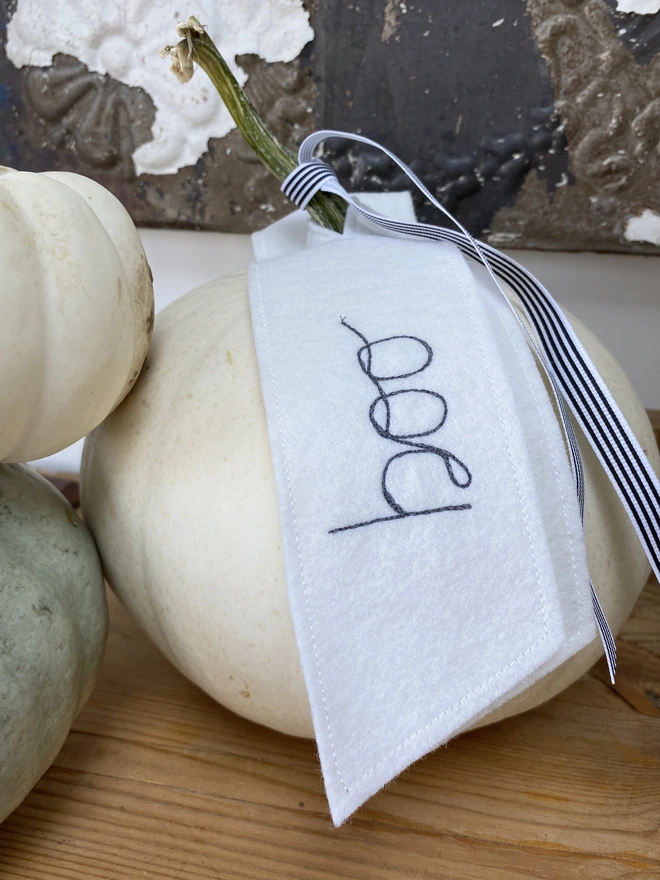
431	535
554	482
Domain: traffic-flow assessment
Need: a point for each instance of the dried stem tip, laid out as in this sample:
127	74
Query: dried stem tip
182	54
196	46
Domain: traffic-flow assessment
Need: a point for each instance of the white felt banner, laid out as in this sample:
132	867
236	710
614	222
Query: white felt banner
432	538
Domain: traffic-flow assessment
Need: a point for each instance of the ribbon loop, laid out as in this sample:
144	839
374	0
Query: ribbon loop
307	179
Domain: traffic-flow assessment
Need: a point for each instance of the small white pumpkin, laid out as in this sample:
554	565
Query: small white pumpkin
76	310
179	491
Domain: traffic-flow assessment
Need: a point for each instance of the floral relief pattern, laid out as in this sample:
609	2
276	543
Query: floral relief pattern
123	39
609	107
609	104
102	120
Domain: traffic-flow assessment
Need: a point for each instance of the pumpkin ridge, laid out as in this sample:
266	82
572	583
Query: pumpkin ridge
77	274
41	345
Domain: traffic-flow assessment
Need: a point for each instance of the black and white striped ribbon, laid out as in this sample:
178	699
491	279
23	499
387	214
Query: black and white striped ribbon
572	375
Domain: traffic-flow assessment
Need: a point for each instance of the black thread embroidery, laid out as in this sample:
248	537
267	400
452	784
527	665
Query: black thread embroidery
455	467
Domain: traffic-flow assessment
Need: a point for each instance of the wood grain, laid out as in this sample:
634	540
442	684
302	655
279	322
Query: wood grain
654	416
158	781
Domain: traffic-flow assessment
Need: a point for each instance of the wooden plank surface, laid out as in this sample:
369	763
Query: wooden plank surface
158	781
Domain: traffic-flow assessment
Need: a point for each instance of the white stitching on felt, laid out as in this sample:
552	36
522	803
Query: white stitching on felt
293	518
504	431
542	419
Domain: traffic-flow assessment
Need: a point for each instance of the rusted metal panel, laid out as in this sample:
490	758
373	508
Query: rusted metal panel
537	123
63	117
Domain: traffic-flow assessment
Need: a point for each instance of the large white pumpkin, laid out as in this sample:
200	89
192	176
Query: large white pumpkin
76	310
179	491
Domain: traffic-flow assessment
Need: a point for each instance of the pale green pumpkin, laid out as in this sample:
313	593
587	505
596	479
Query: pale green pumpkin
53	626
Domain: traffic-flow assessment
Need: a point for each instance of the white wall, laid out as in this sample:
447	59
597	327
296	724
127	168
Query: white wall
618	298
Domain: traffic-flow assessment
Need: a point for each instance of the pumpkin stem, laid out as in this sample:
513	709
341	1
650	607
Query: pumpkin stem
326	209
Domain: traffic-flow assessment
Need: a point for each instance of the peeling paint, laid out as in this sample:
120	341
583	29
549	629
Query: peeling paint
391	21
643	227
124	39
641	7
